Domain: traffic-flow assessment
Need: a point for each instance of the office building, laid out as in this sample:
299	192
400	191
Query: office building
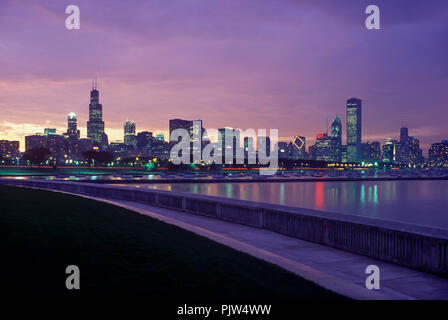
325	148
408	150
298	148
336	135
389	154
438	154
9	149
72	126
95	125
130	139
49	131
144	140
371	152
283	150
354	128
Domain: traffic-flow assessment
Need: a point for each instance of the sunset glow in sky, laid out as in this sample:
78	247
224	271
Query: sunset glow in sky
285	64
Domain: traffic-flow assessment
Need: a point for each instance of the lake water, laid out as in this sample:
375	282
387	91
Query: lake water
418	202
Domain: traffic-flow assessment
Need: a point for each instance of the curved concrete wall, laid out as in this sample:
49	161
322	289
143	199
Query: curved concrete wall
418	247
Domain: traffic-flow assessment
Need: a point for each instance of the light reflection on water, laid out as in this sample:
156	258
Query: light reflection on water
418	202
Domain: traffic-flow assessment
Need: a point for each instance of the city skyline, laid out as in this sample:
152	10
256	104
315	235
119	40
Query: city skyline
268	62
224	158
120	134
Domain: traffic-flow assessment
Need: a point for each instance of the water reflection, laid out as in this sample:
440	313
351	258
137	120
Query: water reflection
282	193
420	202
363	197
375	194
319	195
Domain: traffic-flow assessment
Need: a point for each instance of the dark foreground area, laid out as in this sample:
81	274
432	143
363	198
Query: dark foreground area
121	253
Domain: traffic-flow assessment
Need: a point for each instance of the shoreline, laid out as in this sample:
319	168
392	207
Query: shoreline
248	180
418	247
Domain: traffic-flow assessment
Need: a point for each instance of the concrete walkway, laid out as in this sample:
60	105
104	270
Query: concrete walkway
334	269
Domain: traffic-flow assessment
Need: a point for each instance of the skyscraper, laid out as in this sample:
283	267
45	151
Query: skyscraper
181	124
336	129
390	151
144	140
95	125
298	148
129	138
264	145
336	135
9	149
249	146
415	154
408	149
196	140
72	126
283	150
371	151
404	134
438	154
354	153
325	148
195	130
229	140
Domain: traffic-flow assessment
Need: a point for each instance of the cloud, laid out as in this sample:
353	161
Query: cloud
249	64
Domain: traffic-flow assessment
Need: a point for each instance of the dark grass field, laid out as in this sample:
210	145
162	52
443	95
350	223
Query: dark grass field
121	253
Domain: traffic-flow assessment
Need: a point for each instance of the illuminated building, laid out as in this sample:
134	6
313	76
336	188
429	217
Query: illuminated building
415	153
80	146
248	143
160	137
325	149
408	149
117	148
229	147
181	124
354	129
264	143
389	151
187	125
336	135
195	130
9	149
54	143
72	126
404	134
64	150
249	147
298	148
34	141
129	135
283	150
438	154
196	138
344	153
95	125
160	149
49	131
371	152
144	140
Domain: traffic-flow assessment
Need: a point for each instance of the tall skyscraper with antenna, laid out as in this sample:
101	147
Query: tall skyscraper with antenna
95	125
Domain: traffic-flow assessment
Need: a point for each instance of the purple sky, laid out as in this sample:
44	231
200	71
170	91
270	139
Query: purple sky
285	64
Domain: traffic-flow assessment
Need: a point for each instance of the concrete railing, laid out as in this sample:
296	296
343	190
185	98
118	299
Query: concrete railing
418	247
